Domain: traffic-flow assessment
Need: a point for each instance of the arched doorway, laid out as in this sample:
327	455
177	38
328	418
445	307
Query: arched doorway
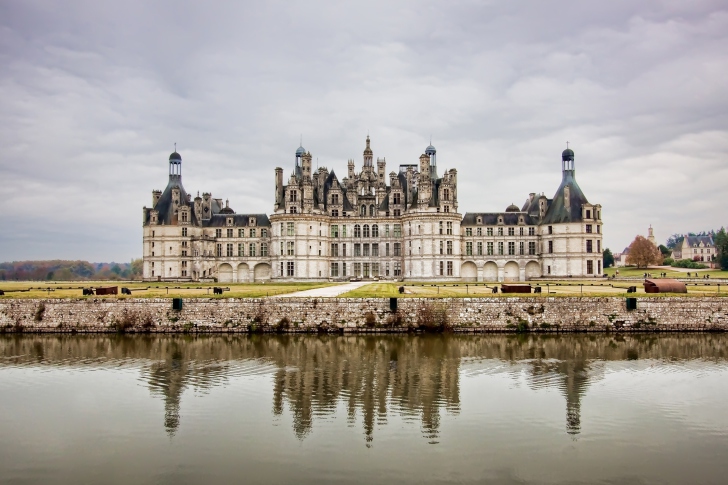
510	272
261	272
468	271
490	271
225	273
243	273
533	270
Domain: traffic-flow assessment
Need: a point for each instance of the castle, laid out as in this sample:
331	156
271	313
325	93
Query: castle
371	225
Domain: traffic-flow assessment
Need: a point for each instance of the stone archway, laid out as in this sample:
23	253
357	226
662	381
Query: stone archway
533	270
468	271
490	271
511	271
225	273
261	272
243	273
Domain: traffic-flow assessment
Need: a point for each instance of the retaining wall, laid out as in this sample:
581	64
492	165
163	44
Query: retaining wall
364	315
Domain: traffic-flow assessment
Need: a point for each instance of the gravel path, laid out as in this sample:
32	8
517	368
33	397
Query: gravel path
327	292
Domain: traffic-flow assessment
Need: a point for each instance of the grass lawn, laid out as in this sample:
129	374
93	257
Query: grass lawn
72	289
671	272
461	290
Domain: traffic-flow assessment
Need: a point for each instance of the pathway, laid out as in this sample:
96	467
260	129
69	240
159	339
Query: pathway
326	292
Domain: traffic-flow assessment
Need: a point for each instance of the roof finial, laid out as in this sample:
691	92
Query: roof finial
175	146
301	143
430	139
567	144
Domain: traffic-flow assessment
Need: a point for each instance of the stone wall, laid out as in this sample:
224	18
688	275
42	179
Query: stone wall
365	314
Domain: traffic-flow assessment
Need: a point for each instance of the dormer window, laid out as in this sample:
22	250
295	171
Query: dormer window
229	221
500	219
335	199
480	220
293	196
251	221
588	214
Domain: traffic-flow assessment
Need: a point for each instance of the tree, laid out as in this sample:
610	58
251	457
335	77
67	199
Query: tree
674	241
643	253
608	258
664	250
137	266
721	245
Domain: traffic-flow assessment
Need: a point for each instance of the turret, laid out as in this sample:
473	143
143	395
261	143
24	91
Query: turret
306	165
156	194
432	153
350	165
279	189
381	169
368	154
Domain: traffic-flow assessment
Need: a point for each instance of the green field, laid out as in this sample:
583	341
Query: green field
73	289
576	288
630	271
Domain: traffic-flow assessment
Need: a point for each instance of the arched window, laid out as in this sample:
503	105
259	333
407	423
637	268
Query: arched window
366	230
375	230
357	230
363	210
372	210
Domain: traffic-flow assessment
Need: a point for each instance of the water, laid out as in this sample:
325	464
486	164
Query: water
364	409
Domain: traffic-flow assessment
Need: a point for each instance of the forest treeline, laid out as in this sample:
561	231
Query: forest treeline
59	270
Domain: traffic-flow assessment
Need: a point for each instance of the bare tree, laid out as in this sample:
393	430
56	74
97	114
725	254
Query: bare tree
643	253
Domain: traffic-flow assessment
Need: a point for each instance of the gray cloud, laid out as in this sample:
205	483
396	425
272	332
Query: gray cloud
94	95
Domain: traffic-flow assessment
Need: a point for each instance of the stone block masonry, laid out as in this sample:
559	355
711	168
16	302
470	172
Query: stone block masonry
516	314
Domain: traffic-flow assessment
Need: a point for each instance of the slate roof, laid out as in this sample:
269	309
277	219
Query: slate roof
164	204
697	240
239	220
491	219
557	211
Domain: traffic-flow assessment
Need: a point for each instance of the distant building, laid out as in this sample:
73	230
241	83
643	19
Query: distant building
620	259
697	248
404	225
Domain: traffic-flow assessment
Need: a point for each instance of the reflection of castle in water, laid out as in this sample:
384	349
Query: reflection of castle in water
417	377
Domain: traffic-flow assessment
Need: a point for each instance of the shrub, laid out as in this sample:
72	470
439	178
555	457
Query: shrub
283	324
433	317
395	319
687	263
668	261
370	320
40	311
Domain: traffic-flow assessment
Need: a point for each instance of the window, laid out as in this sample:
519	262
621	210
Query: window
598	226
511	248
449	227
229	233
218	232
264	233
366	230
386	230
334	231
588	215
357	269
532	247
289	268
363	211
599	246
511	231
343	251
375	249
500	248
375	270
357	230
531	231
219	250
386	249
590	267
479	231
241	249
442	268
294	210
551	229
335	200
442	246
375	230
252	233
446	208
599	267
440	227
334	270
343	231
449	268
469	248
366	250
184	232
293	196
229	250
588	246
521	247
397	213
480	248
397	230
251	250
397	249
490	249
357	249
551	246
289	248
366	270
500	231
468	231
489	231
289	228
343	269
241	232
334	249
334	212
397	268
588	228
372	211
397	198
449	247
264	249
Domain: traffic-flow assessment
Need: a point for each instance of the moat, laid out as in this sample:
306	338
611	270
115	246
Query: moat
598	408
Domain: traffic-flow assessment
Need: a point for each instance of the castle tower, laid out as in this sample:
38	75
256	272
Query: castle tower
432	153
368	154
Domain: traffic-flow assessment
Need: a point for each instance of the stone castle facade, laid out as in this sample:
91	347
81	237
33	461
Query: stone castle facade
371	225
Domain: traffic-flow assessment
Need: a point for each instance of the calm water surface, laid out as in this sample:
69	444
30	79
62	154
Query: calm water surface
360	409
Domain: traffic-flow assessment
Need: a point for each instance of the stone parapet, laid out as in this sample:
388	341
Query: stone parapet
517	314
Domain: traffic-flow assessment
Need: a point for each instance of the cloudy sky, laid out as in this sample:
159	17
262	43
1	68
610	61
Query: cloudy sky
96	93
